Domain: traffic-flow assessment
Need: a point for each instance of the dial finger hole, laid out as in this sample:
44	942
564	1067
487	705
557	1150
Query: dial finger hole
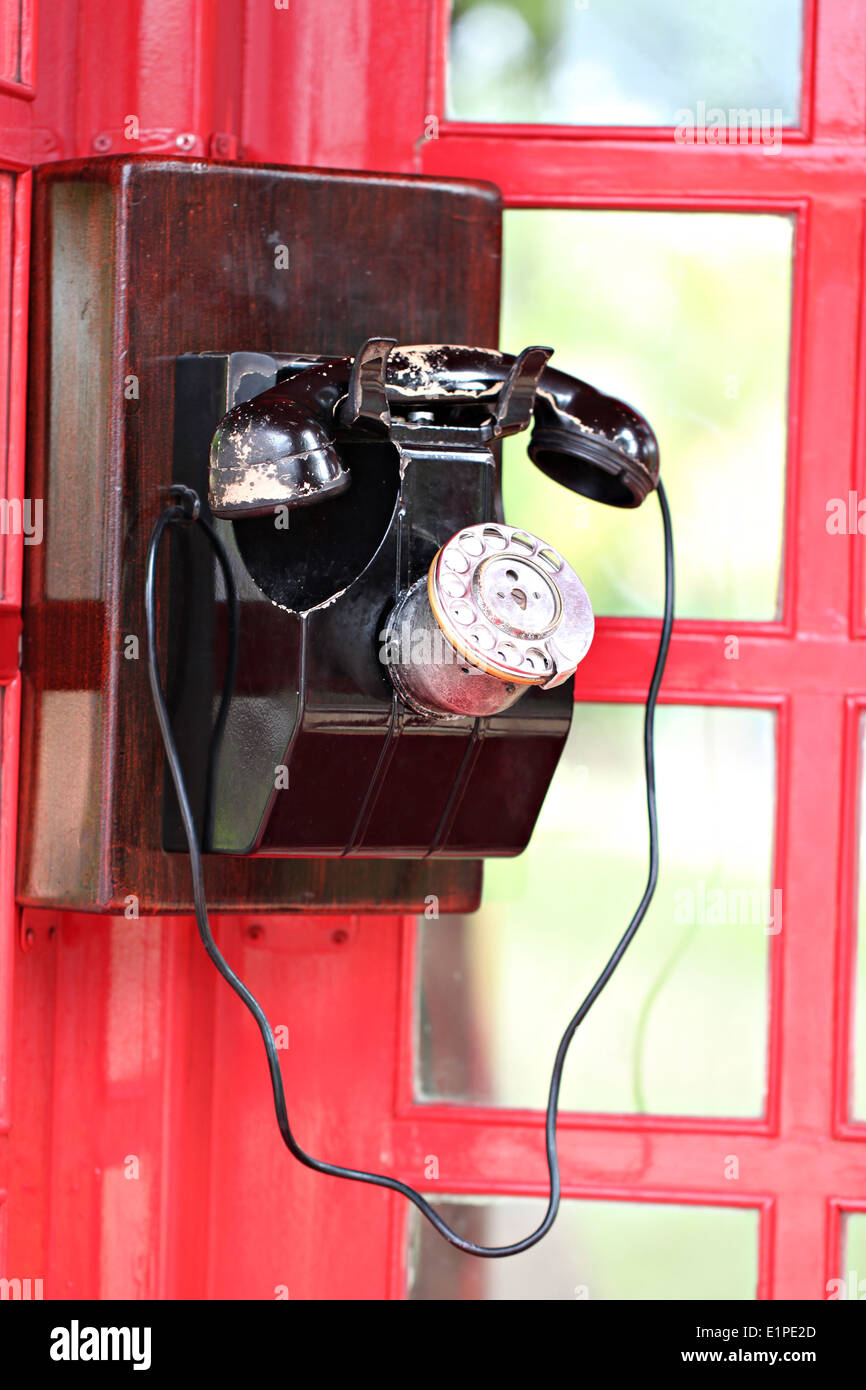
550	560
509	655
494	539
453	586
453	560
537	659
523	542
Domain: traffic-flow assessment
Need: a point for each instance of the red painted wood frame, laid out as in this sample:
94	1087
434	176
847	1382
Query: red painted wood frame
16	98
225	1213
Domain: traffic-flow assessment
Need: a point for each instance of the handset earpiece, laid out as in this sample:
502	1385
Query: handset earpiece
591	443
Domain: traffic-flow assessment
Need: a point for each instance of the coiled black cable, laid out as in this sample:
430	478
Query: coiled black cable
186	510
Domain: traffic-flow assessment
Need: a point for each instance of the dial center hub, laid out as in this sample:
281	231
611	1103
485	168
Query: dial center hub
517	596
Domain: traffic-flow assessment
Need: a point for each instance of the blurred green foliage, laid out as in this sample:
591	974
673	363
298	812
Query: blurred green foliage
596	1250
621	62
681	1029
854	1246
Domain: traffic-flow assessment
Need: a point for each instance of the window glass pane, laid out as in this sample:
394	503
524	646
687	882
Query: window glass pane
625	62
685	315
620	1250
858	1092
681	1027
853	1269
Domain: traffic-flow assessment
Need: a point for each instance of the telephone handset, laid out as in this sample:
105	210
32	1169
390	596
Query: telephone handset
282	447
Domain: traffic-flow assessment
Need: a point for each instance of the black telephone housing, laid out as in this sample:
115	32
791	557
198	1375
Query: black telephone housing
384	457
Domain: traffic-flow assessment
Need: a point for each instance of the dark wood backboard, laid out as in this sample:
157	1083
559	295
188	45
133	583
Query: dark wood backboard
136	261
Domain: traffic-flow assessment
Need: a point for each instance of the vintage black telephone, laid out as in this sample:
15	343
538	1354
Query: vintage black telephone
403	687
410	669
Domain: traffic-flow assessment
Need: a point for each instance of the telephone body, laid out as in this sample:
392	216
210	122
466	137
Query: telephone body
405	672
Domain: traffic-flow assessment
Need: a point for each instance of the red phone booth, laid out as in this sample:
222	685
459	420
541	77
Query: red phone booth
683	219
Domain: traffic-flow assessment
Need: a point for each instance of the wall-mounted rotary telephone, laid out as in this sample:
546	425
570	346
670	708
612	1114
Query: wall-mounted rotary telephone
419	651
407	690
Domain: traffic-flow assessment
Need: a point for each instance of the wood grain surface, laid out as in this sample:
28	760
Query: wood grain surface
136	261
